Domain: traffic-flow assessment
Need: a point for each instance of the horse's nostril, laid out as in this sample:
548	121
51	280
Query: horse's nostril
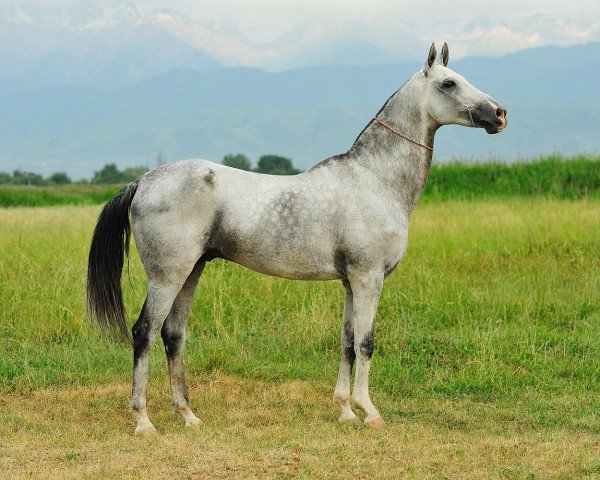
500	112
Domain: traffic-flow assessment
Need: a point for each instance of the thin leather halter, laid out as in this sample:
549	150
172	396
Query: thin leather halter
468	107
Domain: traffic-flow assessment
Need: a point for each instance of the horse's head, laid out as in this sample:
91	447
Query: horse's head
451	99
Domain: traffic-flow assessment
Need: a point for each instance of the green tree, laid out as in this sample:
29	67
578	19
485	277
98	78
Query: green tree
131	173
59	178
27	178
276	165
237	161
108	174
5	178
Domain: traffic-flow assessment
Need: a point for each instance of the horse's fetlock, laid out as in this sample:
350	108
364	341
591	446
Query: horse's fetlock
340	397
138	405
180	406
361	399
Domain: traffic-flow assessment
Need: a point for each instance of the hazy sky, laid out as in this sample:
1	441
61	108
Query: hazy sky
264	20
421	10
274	16
270	33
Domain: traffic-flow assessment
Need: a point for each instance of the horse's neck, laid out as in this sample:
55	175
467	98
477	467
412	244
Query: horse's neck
399	163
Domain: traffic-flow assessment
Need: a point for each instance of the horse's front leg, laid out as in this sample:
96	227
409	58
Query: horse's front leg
366	289
341	395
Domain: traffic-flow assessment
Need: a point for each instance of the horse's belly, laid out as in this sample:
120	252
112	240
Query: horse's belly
286	265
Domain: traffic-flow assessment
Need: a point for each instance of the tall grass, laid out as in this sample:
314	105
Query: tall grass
552	176
496	300
75	194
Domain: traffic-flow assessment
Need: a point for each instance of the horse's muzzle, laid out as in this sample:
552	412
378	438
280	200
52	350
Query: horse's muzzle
490	115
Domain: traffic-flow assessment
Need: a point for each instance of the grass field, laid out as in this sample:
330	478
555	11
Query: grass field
487	361
32	196
551	176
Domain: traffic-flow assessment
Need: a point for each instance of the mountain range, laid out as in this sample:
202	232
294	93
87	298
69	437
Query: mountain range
74	97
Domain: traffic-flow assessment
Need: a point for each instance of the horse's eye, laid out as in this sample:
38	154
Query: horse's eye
448	83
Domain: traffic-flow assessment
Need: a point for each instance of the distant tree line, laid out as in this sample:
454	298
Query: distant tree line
551	176
271	164
20	177
110	173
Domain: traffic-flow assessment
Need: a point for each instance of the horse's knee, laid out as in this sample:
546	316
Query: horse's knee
367	344
173	340
349	354
141	335
348	344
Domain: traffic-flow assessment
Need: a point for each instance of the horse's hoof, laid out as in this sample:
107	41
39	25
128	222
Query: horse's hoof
348	418
376	423
192	422
188	416
146	430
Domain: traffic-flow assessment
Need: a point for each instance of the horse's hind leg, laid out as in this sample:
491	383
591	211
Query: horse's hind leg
173	334
156	308
341	395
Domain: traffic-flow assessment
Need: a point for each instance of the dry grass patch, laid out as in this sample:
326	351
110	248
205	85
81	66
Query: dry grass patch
255	429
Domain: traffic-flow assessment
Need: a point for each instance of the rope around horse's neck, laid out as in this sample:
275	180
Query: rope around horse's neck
396	132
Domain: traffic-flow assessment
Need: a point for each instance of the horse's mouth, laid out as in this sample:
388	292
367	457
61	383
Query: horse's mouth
494	130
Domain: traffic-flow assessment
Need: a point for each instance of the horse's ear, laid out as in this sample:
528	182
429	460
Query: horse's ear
430	57
443	58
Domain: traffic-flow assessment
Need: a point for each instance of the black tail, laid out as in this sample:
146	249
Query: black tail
105	262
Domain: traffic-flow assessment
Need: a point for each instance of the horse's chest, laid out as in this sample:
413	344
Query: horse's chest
393	252
385	246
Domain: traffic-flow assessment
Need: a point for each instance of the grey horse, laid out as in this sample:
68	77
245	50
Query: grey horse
344	219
